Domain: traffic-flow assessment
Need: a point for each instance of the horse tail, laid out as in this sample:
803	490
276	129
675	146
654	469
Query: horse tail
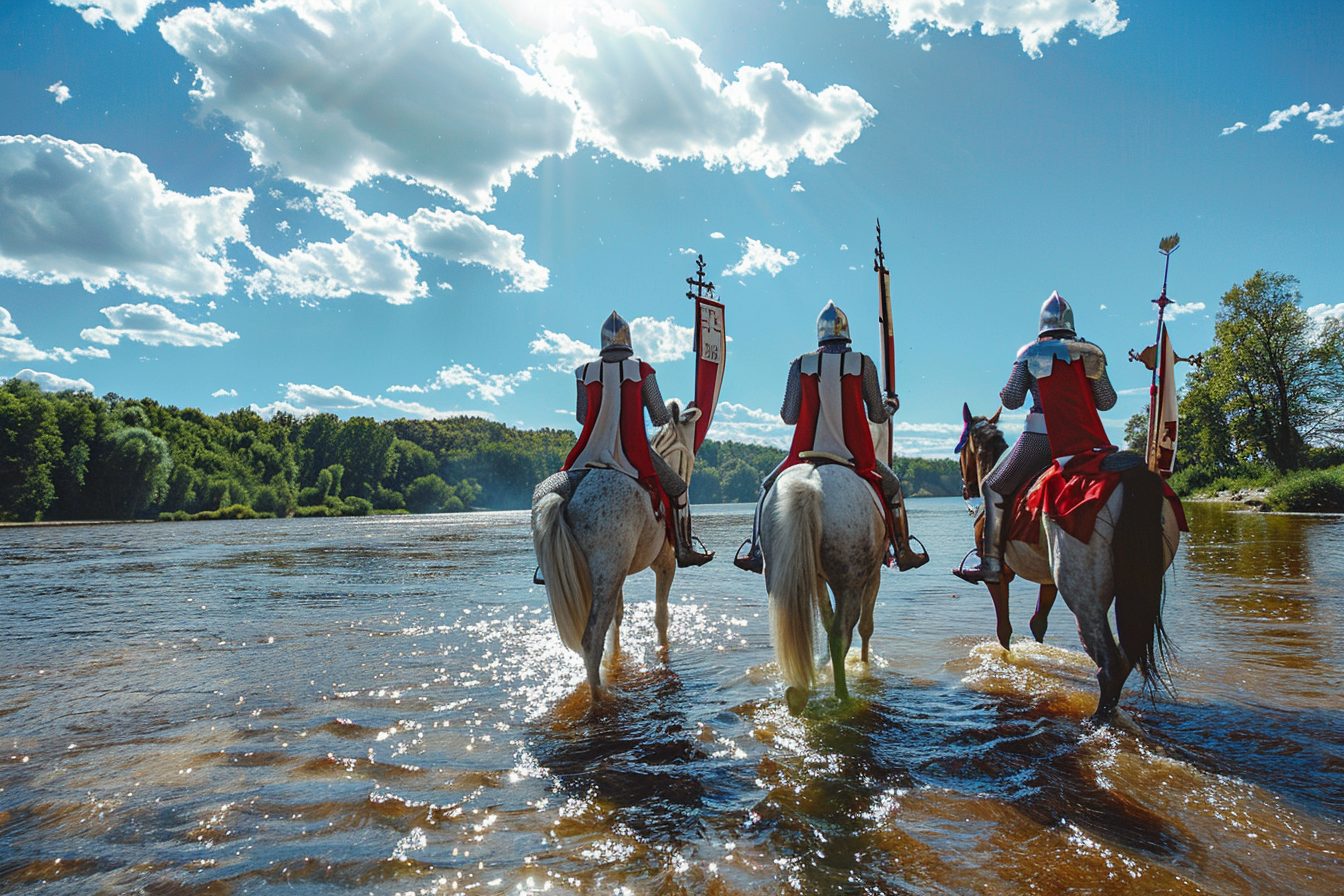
565	569
1137	552
792	567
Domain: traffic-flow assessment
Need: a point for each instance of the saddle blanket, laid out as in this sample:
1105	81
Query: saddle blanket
1072	495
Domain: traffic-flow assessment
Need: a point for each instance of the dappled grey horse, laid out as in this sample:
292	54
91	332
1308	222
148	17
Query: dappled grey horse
588	544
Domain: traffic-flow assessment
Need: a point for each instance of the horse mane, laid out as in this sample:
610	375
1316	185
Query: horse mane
992	444
669	441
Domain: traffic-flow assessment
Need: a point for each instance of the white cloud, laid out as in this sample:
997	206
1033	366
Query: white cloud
51	382
926	46
484	386
758	256
128	14
72	211
1325	117
1279	116
436	108
305	399
687	251
567	351
716	235
797	187
646	97
155	325
1037	22
15	346
741	423
1176	309
376	258
1320	313
60	92
1322	138
1232	128
224	393
660	340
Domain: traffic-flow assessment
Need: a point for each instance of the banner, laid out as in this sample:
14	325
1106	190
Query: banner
1162	409
711	352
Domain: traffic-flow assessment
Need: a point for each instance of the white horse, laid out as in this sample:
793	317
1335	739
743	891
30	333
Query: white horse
1132	544
607	531
820	526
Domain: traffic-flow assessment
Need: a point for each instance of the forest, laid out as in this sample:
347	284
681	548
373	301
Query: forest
75	456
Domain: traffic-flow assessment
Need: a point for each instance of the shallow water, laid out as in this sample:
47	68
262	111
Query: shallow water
381	705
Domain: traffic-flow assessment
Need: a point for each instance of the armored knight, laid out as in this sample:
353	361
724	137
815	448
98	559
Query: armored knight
831	396
612	394
1067	379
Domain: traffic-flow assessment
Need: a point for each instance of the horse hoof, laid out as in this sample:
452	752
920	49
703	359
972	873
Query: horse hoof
796	698
1038	630
1005	636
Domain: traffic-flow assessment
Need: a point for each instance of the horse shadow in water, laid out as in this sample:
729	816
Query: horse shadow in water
638	751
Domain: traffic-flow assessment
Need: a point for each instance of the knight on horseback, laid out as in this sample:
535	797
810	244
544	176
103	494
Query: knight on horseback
612	394
1062	422
831	395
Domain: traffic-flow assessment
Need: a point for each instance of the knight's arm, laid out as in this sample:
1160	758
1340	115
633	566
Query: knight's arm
581	402
1103	393
1014	394
793	395
653	401
879	411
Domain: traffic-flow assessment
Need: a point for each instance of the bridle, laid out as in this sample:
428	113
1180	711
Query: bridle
979	431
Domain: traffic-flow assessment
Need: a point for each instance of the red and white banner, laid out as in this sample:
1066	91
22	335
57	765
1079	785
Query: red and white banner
1162	407
711	352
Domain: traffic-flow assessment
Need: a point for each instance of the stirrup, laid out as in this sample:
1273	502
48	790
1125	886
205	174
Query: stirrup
907	559
536	577
691	557
976	574
751	561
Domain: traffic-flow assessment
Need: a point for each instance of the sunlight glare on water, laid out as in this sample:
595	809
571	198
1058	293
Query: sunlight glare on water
382	705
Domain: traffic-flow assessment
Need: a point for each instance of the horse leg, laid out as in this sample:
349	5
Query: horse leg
866	616
606	594
1095	630
614	633
824	604
664	568
841	634
1040	619
1003	626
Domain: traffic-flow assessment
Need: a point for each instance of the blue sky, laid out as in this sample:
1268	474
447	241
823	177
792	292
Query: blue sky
428	208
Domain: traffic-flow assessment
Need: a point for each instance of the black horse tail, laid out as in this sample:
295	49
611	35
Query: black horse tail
1137	551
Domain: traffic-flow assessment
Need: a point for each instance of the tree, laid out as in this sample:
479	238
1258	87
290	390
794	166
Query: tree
137	465
1136	433
30	449
428	494
1275	376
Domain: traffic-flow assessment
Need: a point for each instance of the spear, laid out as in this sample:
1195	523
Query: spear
887	329
1167	245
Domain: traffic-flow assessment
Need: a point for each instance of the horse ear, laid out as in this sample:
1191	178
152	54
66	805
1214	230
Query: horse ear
690	415
965	412
994	421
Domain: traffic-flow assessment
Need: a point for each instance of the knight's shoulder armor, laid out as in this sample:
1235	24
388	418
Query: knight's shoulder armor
1093	358
1039	356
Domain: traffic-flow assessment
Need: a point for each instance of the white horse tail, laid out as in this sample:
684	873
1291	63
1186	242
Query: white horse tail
792	568
565	569
1137	551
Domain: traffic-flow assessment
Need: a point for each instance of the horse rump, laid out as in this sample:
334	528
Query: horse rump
1137	552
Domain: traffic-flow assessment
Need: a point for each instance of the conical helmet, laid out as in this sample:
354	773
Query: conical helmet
1057	317
832	324
615	332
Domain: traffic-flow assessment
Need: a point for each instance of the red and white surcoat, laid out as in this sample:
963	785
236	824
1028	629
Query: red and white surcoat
832	418
613	433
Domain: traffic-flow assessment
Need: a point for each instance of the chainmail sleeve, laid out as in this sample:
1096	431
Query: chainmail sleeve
581	402
653	401
793	394
1014	394
872	393
1103	393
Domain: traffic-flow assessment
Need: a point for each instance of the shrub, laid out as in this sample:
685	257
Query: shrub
1312	491
316	510
353	506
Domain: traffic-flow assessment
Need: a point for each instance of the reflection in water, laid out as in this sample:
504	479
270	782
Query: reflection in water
381	705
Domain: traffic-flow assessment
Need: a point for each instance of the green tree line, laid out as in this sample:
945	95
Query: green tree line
1267	404
74	456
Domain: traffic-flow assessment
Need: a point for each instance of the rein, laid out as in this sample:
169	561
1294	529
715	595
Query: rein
982	431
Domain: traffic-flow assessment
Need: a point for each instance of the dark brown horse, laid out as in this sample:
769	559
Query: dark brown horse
985	451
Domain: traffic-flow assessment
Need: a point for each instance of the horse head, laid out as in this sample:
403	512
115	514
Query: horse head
979	448
675	440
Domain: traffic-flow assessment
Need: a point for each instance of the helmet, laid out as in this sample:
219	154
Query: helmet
1057	318
832	324
615	332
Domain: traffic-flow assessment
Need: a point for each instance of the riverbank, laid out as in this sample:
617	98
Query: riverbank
1305	491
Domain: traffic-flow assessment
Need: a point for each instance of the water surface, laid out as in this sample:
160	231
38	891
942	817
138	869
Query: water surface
381	705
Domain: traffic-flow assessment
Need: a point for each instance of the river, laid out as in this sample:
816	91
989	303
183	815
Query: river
381	705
